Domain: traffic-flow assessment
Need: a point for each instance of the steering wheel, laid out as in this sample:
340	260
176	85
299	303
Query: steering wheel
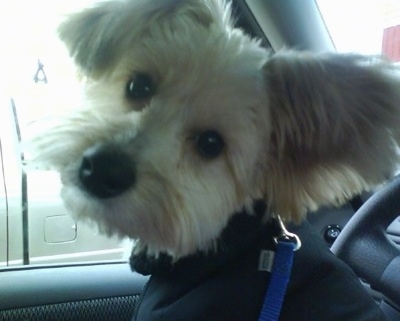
364	246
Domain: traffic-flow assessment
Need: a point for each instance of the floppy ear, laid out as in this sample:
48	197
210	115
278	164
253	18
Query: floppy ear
89	36
335	128
97	37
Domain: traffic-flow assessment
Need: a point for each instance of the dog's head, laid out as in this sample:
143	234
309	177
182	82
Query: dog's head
187	120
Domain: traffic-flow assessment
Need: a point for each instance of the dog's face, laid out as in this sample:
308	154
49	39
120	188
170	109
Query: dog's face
168	144
178	131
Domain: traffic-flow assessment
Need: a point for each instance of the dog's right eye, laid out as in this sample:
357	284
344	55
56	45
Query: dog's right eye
140	86
209	144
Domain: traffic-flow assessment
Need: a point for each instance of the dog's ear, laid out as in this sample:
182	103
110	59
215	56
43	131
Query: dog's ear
89	36
335	128
98	36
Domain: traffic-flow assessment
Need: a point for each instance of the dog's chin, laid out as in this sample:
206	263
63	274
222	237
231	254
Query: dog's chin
88	209
154	227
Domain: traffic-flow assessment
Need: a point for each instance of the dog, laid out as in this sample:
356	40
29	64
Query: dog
187	121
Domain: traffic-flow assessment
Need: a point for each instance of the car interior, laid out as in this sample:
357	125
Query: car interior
365	232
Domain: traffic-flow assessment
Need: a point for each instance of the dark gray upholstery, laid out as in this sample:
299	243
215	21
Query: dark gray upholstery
106	309
70	293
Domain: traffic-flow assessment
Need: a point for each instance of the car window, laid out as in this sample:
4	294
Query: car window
364	26
37	75
3	213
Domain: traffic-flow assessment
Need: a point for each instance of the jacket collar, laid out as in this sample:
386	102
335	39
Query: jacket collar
241	232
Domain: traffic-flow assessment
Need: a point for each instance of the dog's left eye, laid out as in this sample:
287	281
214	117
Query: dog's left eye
140	86
209	144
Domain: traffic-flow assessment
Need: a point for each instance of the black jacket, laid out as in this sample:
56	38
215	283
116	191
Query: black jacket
227	286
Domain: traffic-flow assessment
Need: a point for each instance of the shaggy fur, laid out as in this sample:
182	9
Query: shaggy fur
299	130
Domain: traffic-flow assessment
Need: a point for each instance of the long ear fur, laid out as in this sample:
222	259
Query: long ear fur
336	128
97	37
89	36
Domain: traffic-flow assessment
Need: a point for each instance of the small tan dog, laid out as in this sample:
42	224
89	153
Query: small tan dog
188	121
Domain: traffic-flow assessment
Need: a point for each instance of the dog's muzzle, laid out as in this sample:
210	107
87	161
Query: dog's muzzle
106	171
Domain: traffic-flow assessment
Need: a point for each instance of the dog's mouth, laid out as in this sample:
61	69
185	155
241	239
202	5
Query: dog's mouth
106	171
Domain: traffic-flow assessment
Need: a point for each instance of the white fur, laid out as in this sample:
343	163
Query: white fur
301	130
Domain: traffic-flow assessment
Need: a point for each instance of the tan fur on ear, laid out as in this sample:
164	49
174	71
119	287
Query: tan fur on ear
89	36
99	36
335	128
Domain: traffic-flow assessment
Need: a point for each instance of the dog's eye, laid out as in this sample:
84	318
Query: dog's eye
140	86
209	144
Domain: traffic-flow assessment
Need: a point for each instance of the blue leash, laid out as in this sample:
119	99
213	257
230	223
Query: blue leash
287	244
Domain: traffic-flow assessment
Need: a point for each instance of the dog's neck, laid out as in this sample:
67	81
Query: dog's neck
241	232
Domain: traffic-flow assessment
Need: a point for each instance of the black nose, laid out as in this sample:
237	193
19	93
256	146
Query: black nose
106	171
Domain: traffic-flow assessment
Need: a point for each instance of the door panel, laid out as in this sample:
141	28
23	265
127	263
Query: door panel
76	292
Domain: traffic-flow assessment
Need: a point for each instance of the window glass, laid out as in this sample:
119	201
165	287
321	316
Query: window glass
3	214
370	27
364	26
36	75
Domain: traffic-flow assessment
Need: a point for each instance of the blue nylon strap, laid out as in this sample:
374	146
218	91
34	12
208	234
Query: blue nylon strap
280	275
